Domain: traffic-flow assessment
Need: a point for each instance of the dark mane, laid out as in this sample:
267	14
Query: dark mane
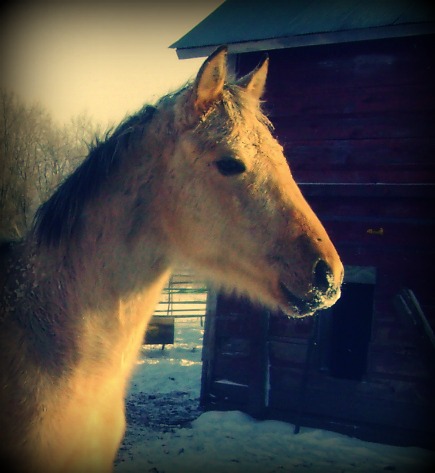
58	219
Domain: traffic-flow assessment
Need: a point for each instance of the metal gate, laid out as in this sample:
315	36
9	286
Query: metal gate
184	296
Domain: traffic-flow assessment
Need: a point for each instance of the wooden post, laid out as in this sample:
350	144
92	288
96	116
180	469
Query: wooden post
258	385
208	347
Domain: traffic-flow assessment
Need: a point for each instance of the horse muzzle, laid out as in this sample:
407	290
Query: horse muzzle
323	291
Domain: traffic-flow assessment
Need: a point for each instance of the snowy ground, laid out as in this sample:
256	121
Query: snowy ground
167	432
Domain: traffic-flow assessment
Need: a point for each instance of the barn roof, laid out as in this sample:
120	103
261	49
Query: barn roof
272	24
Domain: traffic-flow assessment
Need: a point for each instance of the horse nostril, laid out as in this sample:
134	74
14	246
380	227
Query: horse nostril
322	276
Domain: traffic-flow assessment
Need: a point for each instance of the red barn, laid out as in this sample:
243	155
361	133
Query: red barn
351	93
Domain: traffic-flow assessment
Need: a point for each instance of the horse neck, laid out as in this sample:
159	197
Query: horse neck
122	243
116	267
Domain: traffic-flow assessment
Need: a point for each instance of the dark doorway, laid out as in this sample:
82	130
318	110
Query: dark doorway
350	331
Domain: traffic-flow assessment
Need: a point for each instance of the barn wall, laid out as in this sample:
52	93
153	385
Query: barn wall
354	112
357	122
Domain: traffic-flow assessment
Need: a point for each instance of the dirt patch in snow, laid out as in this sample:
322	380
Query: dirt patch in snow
162	412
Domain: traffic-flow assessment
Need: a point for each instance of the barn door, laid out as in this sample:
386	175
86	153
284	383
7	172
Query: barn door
234	355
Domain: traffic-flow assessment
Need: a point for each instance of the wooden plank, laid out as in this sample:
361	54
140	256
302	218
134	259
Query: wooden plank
181	303
337	406
236	325
326	99
371	432
236	370
283	327
378	209
233	347
381	233
389	332
398	363
288	353
419	318
259	366
362	160
372	401
404	390
208	348
354	126
359	153
369	190
415	326
300	72
400	61
369	175
224	393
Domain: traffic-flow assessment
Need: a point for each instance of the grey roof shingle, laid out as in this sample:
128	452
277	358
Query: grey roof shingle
239	21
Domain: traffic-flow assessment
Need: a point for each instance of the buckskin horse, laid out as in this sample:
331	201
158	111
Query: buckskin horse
196	178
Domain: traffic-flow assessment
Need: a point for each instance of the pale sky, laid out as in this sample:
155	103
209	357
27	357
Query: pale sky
103	58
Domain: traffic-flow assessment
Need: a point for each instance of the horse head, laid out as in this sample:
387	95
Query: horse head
234	210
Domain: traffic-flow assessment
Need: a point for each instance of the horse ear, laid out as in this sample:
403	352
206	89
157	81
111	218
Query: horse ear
255	81
210	80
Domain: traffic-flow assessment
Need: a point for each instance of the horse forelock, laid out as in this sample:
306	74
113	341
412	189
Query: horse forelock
58	219
234	115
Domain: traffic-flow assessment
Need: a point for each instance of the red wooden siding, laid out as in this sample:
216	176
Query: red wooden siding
357	122
356	112
362	116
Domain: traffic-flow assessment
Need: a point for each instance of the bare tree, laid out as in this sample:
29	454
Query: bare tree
35	156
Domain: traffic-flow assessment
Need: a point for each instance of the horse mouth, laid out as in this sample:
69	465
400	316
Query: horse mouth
294	306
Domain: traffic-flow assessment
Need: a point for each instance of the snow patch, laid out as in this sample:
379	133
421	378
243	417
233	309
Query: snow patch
167	433
230	383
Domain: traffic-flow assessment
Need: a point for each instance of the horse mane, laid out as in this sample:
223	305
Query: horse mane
58	219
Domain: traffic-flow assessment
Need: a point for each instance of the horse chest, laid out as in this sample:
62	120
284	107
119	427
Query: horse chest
83	431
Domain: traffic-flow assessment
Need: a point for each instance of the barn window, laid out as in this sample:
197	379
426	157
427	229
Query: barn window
346	327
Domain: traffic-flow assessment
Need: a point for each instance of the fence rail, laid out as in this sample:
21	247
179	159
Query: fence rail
184	296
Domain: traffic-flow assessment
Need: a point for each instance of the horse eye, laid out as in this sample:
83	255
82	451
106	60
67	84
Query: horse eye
230	166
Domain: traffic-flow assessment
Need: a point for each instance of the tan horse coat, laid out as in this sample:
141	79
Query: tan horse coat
197	178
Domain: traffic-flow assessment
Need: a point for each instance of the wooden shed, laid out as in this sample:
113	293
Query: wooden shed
351	93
